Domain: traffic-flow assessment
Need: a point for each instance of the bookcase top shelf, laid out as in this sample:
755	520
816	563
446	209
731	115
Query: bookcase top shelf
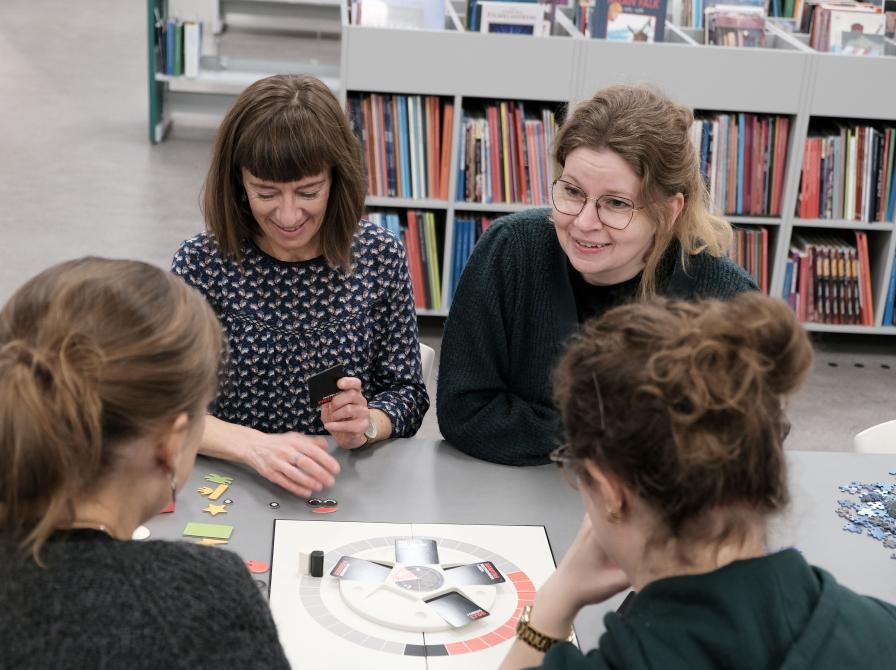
840	224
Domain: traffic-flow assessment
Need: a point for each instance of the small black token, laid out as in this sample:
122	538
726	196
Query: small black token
316	563
228	502
314	502
330	502
274	505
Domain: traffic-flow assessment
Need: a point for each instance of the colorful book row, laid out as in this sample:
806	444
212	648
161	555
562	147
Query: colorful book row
750	250
406	141
742	157
505	154
848	174
178	45
423	246
467	230
827	279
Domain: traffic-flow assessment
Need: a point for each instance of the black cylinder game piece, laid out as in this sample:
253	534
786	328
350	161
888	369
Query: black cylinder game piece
317	563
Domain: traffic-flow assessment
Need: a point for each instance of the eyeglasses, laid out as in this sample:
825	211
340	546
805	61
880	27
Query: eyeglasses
613	211
567	466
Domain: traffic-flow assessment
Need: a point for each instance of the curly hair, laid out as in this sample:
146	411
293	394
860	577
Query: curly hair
692	401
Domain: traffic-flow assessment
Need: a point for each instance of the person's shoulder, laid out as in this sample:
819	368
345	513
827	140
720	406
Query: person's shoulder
203	244
864	610
183	561
524	229
374	237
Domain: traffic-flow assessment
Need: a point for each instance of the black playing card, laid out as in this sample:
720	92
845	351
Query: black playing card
416	551
322	385
456	609
475	573
360	570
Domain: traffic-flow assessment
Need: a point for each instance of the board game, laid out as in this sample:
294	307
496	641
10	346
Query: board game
415	596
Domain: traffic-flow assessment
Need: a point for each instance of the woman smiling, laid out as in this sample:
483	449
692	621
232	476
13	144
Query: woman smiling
630	220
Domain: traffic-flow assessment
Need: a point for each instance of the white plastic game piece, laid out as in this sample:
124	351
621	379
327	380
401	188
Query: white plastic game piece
140	533
304	563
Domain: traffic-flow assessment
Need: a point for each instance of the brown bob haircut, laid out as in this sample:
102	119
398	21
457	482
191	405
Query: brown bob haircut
652	135
285	128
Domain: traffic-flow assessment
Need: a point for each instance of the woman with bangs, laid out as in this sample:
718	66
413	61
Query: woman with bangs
630	219
300	284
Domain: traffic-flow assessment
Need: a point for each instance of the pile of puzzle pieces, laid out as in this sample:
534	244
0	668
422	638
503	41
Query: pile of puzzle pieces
874	512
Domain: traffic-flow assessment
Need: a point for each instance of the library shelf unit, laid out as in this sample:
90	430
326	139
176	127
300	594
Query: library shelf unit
259	38
786	78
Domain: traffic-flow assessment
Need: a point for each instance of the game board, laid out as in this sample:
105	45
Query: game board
330	622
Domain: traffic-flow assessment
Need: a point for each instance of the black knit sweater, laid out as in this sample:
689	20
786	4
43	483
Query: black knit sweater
511	315
103	603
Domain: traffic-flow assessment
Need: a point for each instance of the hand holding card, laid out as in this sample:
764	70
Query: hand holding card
346	416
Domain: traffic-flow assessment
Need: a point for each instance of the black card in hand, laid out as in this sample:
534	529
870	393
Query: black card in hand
322	385
474	574
456	609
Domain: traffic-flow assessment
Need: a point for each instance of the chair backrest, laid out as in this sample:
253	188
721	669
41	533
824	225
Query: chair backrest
427	358
879	439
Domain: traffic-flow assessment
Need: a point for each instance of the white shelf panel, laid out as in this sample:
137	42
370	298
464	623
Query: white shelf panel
834	224
406	203
842	328
436	62
854	86
432	312
225	82
706	77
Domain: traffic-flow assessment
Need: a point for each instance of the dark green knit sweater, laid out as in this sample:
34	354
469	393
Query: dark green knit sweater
511	315
771	613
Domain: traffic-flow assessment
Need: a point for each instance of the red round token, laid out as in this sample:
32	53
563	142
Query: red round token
324	510
257	566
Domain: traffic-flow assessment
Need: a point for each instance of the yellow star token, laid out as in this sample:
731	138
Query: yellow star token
215	510
210	541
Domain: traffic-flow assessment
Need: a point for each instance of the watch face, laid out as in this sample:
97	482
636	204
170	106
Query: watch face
371	431
417	578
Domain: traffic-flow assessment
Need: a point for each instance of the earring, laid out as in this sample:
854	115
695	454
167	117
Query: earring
614	515
173	489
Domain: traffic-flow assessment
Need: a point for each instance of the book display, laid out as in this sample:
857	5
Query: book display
796	145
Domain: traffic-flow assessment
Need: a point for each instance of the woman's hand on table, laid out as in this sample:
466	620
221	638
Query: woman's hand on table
299	463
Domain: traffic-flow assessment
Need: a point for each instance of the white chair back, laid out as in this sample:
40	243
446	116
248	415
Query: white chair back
879	439
427	358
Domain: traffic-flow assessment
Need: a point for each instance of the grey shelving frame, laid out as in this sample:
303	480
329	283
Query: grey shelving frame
786	78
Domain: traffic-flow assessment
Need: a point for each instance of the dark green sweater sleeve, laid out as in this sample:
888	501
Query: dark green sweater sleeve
478	410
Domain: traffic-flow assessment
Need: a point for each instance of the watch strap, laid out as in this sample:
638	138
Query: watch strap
534	638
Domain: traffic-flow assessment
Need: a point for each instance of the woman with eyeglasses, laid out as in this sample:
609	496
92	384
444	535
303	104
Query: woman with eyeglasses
106	370
301	283
630	219
674	422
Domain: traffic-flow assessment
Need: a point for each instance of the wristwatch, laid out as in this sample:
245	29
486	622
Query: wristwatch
538	641
371	432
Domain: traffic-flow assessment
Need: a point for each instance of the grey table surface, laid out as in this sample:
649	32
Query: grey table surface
426	481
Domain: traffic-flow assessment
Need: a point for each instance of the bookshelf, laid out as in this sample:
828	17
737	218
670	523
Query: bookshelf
786	78
258	38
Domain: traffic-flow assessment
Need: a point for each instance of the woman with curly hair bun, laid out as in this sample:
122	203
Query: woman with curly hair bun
674	424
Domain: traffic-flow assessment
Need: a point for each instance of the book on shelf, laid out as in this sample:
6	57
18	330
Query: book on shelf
505	153
704	7
516	18
847	173
404	14
467	231
827	279
422	243
629	20
856	29
749	249
735	26
473	15
178	46
891	298
406	143
890	18
742	158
